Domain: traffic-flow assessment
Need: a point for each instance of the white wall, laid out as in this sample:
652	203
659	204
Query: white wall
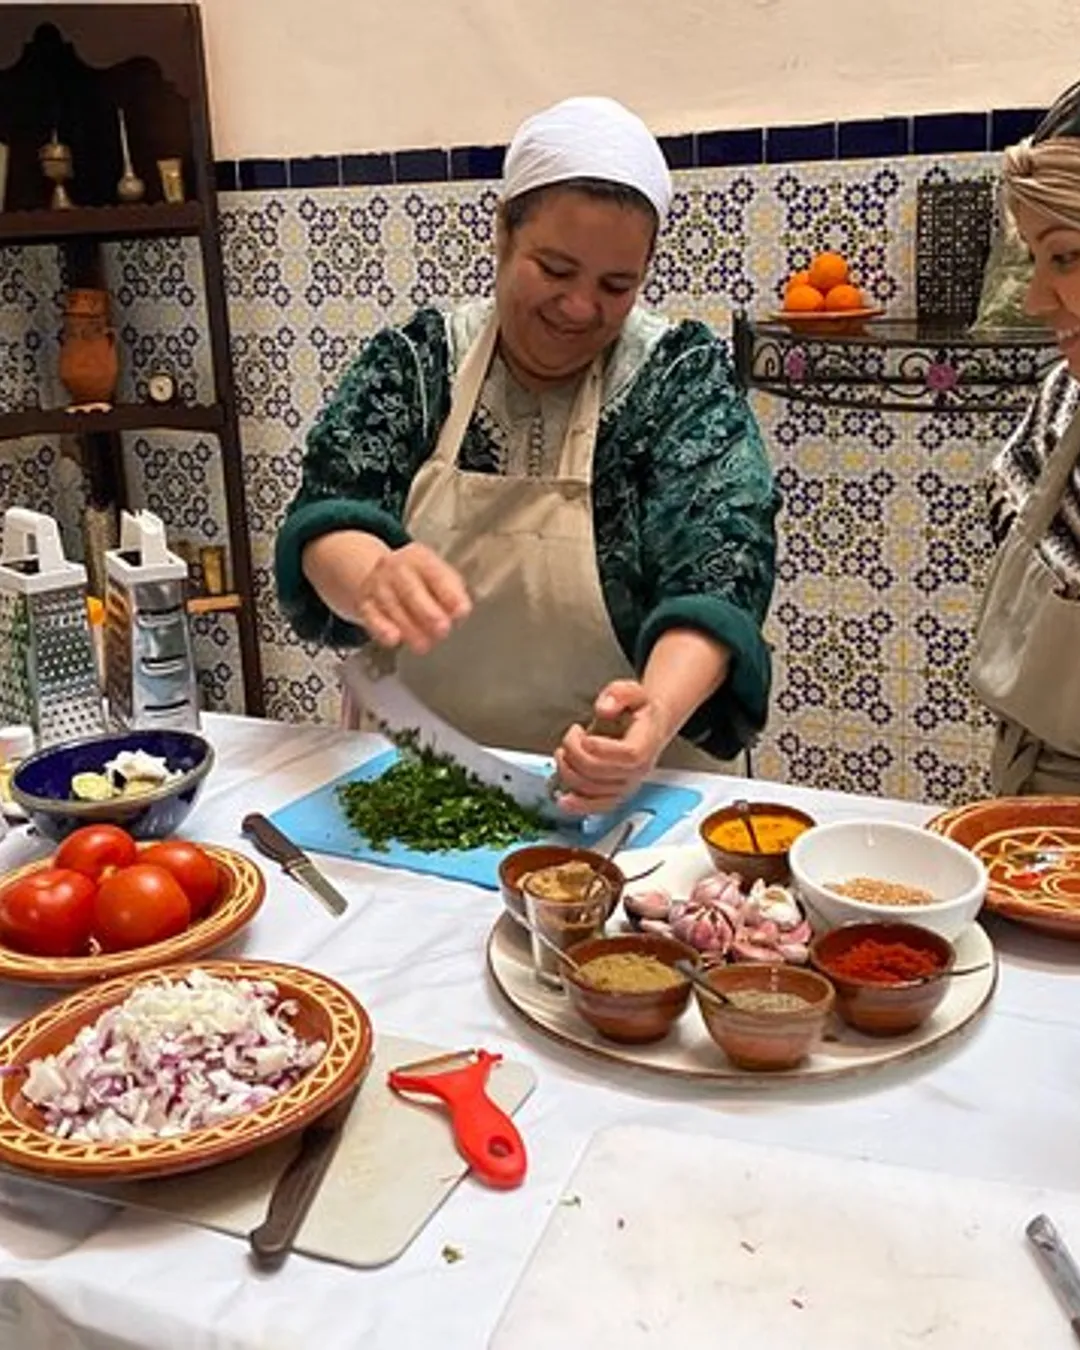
296	77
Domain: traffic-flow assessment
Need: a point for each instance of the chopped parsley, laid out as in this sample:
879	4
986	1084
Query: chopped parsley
428	802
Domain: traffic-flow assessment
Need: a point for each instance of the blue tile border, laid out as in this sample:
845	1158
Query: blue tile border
885	137
795	145
866	138
368	170
950	133
318	171
476	161
743	146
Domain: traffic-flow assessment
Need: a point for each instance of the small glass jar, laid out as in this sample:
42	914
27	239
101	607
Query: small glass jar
562	921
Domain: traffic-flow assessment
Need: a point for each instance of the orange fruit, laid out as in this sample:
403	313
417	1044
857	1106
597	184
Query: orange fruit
828	270
797	279
803	299
844	296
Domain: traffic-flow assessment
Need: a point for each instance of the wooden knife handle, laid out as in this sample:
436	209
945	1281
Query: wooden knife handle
268	839
296	1187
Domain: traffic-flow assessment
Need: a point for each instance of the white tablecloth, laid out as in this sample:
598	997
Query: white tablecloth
1002	1103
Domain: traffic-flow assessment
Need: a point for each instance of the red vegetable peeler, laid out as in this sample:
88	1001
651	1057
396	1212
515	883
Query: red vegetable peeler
485	1135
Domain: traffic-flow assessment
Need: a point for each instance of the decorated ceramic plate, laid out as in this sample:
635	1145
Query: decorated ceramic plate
688	1051
1031	848
325	1011
240	897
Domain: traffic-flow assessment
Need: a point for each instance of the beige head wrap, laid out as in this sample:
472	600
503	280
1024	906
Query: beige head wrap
587	138
1045	176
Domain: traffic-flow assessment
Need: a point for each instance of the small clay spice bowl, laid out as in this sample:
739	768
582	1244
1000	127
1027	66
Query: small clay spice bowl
776	1016
537	857
888	977
725	835
628	1016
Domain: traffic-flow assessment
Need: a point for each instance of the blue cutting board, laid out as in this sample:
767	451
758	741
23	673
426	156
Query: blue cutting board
317	823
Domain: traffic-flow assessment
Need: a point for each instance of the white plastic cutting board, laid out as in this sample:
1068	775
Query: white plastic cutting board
395	1165
693	1242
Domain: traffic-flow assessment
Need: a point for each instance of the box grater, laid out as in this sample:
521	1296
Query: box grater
48	677
149	663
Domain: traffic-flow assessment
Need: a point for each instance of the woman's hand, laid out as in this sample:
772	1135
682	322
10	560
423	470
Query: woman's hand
599	772
412	598
399	596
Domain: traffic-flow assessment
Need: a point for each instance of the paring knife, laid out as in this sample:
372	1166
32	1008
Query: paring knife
268	839
370	677
297	1187
1059	1266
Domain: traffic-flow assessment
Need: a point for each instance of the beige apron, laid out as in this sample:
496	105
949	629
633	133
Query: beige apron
1026	666
538	646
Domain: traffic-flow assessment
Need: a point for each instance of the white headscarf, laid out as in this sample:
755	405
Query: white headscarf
587	138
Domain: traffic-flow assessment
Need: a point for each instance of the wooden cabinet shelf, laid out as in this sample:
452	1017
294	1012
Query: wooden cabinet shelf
122	417
100	222
65	72
214	604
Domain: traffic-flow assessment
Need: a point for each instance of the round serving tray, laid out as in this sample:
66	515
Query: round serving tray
688	1051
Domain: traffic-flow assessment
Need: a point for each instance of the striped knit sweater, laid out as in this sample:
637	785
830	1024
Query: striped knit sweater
1017	468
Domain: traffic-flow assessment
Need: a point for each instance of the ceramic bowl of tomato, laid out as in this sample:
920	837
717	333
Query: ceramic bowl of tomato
41	784
104	904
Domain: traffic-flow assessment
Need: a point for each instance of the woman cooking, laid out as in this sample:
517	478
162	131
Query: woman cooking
555	506
1027	652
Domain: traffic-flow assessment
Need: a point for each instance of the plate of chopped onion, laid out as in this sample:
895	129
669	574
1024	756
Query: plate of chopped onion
164	1072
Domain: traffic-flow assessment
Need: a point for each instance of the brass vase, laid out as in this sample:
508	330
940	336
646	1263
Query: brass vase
89	364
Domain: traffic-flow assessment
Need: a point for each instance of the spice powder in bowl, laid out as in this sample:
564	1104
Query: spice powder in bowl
629	973
888	977
564	904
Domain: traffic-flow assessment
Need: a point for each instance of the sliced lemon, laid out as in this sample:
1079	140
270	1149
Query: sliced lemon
92	787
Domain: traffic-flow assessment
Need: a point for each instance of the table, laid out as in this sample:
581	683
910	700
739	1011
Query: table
1002	1103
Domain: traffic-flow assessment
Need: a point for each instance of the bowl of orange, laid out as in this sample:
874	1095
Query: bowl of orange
823	300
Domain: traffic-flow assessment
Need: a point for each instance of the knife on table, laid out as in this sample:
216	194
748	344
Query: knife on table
269	840
1058	1265
297	1186
370	675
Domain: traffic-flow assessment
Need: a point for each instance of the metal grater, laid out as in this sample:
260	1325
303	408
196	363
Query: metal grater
149	662
48	676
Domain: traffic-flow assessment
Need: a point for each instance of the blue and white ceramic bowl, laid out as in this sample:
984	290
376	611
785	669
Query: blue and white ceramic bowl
41	784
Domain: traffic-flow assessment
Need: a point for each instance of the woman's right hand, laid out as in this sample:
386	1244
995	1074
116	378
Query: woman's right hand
411	597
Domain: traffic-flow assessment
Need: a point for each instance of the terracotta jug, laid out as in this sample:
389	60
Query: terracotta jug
89	365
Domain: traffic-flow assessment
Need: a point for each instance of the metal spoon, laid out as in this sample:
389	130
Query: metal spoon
551	946
746	816
598	876
699	981
952	974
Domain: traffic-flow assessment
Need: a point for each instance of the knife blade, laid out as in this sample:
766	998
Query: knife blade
269	840
297	1186
371	678
1058	1265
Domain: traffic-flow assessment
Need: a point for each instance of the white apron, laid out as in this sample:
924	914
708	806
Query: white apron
538	646
1026	665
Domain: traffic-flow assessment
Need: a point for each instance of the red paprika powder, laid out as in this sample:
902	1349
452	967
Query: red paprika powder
883	962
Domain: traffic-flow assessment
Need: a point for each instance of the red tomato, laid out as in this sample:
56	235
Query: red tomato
194	869
139	905
94	848
48	913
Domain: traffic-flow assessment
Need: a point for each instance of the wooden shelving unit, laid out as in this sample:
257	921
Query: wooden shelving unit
120	417
100	222
68	69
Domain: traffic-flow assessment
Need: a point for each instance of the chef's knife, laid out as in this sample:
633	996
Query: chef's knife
268	839
1058	1264
370	677
297	1187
